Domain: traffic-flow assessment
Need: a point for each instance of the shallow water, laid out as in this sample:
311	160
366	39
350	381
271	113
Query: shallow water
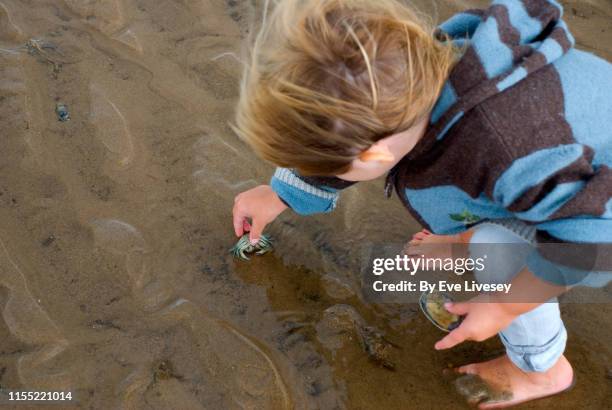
115	281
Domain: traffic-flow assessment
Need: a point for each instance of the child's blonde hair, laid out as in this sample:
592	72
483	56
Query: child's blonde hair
328	78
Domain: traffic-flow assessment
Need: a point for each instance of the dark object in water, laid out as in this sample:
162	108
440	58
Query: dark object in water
164	370
432	305
343	321
62	112
377	348
50	239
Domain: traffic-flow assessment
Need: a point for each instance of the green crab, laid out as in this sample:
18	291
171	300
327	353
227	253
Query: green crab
243	247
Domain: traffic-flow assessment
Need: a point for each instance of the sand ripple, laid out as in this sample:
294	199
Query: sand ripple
117	236
129	38
111	126
29	322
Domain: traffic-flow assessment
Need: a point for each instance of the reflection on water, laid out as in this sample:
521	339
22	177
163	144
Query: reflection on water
115	281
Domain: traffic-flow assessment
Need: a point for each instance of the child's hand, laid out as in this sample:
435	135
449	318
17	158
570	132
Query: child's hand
486	314
482	320
262	205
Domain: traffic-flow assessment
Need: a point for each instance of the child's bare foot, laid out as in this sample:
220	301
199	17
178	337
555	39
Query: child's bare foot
506	385
433	246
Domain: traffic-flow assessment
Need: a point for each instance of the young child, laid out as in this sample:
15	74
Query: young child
493	116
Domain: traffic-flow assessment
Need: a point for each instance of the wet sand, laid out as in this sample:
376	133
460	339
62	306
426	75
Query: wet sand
115	279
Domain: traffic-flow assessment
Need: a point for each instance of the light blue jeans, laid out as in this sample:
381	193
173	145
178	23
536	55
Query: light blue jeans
535	340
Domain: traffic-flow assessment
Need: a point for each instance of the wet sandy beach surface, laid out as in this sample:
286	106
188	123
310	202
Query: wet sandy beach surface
115	278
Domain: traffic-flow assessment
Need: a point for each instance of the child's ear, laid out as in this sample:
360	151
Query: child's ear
377	152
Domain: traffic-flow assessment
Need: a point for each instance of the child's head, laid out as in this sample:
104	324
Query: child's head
329	78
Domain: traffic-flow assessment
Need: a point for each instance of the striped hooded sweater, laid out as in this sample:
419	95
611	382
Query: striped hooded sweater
522	129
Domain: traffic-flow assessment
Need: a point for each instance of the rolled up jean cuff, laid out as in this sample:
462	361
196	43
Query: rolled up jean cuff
536	358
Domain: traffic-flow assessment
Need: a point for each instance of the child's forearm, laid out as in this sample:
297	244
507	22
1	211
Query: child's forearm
528	292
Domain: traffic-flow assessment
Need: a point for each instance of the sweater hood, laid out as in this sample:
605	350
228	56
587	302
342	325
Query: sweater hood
502	46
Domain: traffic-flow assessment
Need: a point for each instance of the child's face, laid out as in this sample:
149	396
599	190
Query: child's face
384	154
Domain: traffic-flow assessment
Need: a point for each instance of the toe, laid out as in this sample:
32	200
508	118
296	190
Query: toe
468	369
499	404
484	405
419	235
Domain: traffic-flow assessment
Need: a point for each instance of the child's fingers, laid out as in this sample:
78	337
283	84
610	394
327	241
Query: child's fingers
246	226
457	308
256	230
238	218
452	339
238	228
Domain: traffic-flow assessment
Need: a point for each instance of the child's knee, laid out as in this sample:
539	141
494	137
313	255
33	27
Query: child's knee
503	251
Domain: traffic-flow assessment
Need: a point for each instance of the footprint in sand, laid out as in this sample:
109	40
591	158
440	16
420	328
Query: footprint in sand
8	30
111	126
29	322
105	15
250	376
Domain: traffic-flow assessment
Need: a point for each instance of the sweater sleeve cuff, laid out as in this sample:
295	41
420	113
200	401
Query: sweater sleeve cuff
303	198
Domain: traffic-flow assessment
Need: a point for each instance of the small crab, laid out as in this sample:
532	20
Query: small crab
244	246
62	112
377	347
342	322
432	305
